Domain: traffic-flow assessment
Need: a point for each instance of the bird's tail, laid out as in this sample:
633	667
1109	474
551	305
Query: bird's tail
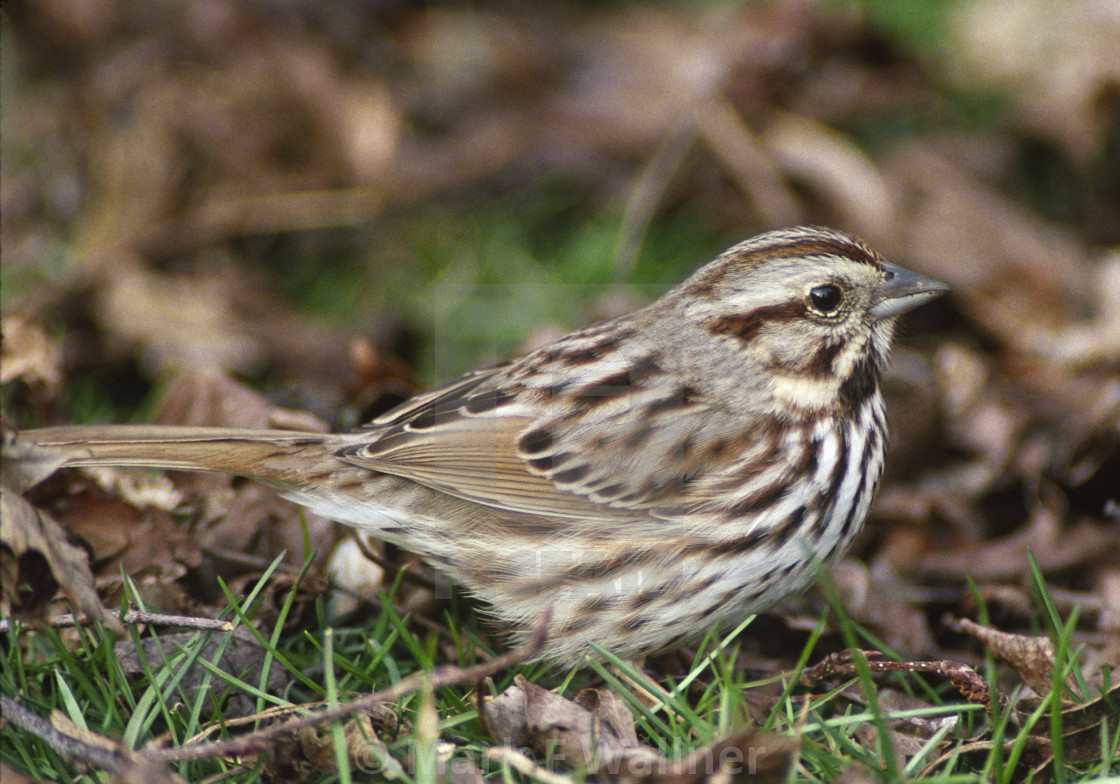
265	455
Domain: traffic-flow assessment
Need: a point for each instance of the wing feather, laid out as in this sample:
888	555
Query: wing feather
473	458
599	444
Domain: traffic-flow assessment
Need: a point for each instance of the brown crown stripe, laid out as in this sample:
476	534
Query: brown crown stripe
809	246
704	286
850	249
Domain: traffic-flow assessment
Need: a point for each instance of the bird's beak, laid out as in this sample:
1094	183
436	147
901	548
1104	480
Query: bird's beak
902	290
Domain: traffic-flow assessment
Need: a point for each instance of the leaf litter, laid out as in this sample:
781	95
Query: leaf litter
136	250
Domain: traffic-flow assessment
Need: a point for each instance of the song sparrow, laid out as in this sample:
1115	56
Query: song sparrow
643	477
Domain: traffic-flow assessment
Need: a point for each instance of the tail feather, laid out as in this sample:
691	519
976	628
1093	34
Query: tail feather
258	454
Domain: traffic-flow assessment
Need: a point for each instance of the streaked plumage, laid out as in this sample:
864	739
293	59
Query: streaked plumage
643	477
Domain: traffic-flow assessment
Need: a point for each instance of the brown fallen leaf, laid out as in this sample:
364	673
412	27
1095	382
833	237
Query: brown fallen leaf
10	775
175	321
1055	543
746	757
1086	724
901	744
1031	657
572	734
1077	718
307	754
134	536
1083	726
37	559
28	352
596	733
1061	70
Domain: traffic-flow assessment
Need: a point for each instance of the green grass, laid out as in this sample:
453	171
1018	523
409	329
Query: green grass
76	672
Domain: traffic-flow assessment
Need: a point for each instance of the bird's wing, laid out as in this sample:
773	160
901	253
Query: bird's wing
639	453
461	439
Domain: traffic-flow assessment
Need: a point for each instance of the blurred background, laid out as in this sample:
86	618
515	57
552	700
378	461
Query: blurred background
338	203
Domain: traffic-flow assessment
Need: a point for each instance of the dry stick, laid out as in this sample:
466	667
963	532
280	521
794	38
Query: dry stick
447	675
185	621
967	681
109	759
522	764
117	759
67	620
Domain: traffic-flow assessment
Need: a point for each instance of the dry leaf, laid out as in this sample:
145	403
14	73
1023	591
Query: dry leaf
596	732
25	465
831	164
1032	657
747	757
569	733
29	353
123	534
1058	71
36	560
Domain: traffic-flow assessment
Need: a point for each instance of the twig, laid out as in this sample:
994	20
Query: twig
522	764
447	675
110	759
66	620
968	682
151	764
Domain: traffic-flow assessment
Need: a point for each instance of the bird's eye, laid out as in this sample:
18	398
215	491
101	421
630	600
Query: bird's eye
826	299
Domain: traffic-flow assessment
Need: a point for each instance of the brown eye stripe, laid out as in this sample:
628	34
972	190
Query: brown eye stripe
745	326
